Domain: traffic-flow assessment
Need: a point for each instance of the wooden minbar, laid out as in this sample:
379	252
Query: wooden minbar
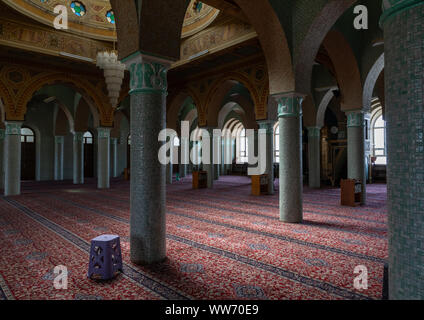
200	179
260	185
351	193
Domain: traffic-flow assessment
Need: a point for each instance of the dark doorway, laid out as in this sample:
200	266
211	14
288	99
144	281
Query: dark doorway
27	154
88	155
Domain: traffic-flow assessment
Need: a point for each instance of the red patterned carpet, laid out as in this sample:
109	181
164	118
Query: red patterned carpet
222	244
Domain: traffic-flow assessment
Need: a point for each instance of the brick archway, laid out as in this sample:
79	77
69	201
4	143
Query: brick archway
308	49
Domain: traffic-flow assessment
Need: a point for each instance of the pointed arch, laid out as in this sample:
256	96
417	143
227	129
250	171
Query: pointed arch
64	121
223	85
273	42
371	81
89	92
82	116
311	43
176	102
323	107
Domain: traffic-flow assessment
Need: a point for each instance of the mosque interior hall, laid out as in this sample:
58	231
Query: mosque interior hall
291	167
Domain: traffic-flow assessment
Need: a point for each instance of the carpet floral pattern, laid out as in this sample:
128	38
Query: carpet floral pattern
222	243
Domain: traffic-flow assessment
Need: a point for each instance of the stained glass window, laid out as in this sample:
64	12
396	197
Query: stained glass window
78	8
110	16
197	6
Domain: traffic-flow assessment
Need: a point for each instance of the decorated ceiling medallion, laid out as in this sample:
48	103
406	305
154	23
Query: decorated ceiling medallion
78	8
110	16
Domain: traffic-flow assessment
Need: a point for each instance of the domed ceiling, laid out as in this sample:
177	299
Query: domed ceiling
95	18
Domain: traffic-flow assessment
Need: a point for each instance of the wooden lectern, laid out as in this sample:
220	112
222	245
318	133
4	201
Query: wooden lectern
200	179
351	193
259	185
127	174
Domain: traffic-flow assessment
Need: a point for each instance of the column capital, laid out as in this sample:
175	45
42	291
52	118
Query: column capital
103	132
392	8
289	104
78	136
314	132
13	128
59	139
148	73
267	125
355	118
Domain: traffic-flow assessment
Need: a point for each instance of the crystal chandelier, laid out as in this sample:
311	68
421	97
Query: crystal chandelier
114	72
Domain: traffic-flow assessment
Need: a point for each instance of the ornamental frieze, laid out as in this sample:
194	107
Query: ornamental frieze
225	34
47	41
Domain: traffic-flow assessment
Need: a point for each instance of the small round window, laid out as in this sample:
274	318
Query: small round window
110	16
78	8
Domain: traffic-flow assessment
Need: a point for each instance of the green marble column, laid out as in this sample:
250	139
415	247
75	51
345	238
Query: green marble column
114	157
403	24
314	156
103	158
78	157
59	142
356	149
147	192
2	136
269	127
291	181
210	167
12	158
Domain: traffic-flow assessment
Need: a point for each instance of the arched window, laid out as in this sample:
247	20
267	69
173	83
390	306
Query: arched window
243	156
28	154
88	138
379	140
277	144
27	135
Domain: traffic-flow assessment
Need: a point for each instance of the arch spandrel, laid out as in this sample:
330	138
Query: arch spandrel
346	68
273	42
308	49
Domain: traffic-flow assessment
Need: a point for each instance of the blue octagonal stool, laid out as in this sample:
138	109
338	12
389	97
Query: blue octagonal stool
105	257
